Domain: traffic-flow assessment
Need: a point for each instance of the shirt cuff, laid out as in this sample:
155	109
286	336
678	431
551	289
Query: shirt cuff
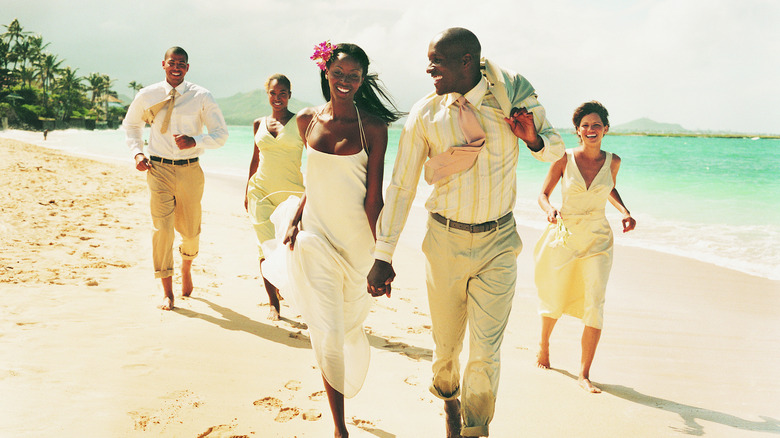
135	151
384	251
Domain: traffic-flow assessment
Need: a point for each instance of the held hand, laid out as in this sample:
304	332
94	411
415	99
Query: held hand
379	278
552	216
628	224
184	141
142	163
521	122
290	235
246	203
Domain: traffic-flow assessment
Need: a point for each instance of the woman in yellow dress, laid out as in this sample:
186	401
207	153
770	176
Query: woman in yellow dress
574	255
274	172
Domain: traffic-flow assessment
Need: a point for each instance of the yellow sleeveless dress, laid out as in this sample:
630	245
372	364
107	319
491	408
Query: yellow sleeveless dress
571	278
278	176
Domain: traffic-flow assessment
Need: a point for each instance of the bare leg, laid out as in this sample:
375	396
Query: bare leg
543	357
590	340
273	297
186	278
167	284
452	414
336	401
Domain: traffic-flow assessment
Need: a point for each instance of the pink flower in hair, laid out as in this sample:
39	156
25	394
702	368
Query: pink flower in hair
322	53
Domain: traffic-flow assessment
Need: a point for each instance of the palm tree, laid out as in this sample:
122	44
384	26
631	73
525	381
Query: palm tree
95	85
35	47
6	79
106	91
135	86
70	87
26	75
14	33
48	67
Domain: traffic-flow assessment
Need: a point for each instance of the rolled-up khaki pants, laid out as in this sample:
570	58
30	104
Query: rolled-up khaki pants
176	192
471	278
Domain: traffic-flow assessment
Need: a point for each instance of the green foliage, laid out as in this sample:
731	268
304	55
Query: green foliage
29	114
43	87
6	110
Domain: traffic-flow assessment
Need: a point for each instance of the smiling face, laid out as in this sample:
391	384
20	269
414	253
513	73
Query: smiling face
447	69
591	129
345	75
176	67
278	95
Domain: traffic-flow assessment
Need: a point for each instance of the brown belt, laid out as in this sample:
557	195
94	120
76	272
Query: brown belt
472	228
174	162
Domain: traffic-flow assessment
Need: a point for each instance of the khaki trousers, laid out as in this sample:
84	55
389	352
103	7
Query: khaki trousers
471	279
176	192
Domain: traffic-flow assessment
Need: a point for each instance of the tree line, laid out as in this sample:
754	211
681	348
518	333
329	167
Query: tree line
37	91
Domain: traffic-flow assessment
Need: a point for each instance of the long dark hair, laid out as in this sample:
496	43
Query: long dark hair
370	91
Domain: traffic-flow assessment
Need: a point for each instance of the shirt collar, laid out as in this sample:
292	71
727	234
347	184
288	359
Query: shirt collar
474	96
179	89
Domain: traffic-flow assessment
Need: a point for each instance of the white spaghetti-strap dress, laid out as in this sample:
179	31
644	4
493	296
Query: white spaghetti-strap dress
327	268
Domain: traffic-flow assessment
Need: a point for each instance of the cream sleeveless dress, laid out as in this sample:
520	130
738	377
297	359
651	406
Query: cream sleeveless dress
572	278
278	176
327	269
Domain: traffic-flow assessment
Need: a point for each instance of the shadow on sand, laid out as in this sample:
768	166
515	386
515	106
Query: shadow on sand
691	415
235	321
232	320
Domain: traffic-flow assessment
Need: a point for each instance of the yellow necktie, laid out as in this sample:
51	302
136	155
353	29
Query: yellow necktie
151	112
456	159
167	119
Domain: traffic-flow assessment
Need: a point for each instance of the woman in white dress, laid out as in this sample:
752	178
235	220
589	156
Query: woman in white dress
332	233
573	261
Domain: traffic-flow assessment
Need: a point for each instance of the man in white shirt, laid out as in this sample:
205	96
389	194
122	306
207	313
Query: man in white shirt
177	111
471	244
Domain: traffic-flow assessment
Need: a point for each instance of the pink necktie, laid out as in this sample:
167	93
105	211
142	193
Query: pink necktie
458	158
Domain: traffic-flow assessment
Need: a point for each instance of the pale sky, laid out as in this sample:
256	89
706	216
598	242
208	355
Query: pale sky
705	64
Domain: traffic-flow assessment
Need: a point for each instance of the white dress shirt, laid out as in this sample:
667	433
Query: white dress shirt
194	108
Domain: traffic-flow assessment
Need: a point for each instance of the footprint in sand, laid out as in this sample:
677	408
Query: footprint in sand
293	385
412	381
269	403
287	414
363	424
312	415
317	396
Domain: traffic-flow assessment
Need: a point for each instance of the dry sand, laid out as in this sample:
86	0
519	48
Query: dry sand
688	349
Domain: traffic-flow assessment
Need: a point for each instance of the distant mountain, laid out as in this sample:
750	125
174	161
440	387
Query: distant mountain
645	125
244	108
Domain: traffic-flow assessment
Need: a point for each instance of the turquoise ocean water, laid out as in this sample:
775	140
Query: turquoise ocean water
712	199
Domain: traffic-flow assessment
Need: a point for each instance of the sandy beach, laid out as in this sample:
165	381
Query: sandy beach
688	348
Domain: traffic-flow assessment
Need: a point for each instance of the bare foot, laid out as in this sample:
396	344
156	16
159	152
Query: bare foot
452	413
587	385
543	358
186	278
167	303
273	314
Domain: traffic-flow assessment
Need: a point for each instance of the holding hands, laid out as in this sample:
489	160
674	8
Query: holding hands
380	277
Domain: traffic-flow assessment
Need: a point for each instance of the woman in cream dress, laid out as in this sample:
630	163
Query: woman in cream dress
332	233
274	172
574	255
